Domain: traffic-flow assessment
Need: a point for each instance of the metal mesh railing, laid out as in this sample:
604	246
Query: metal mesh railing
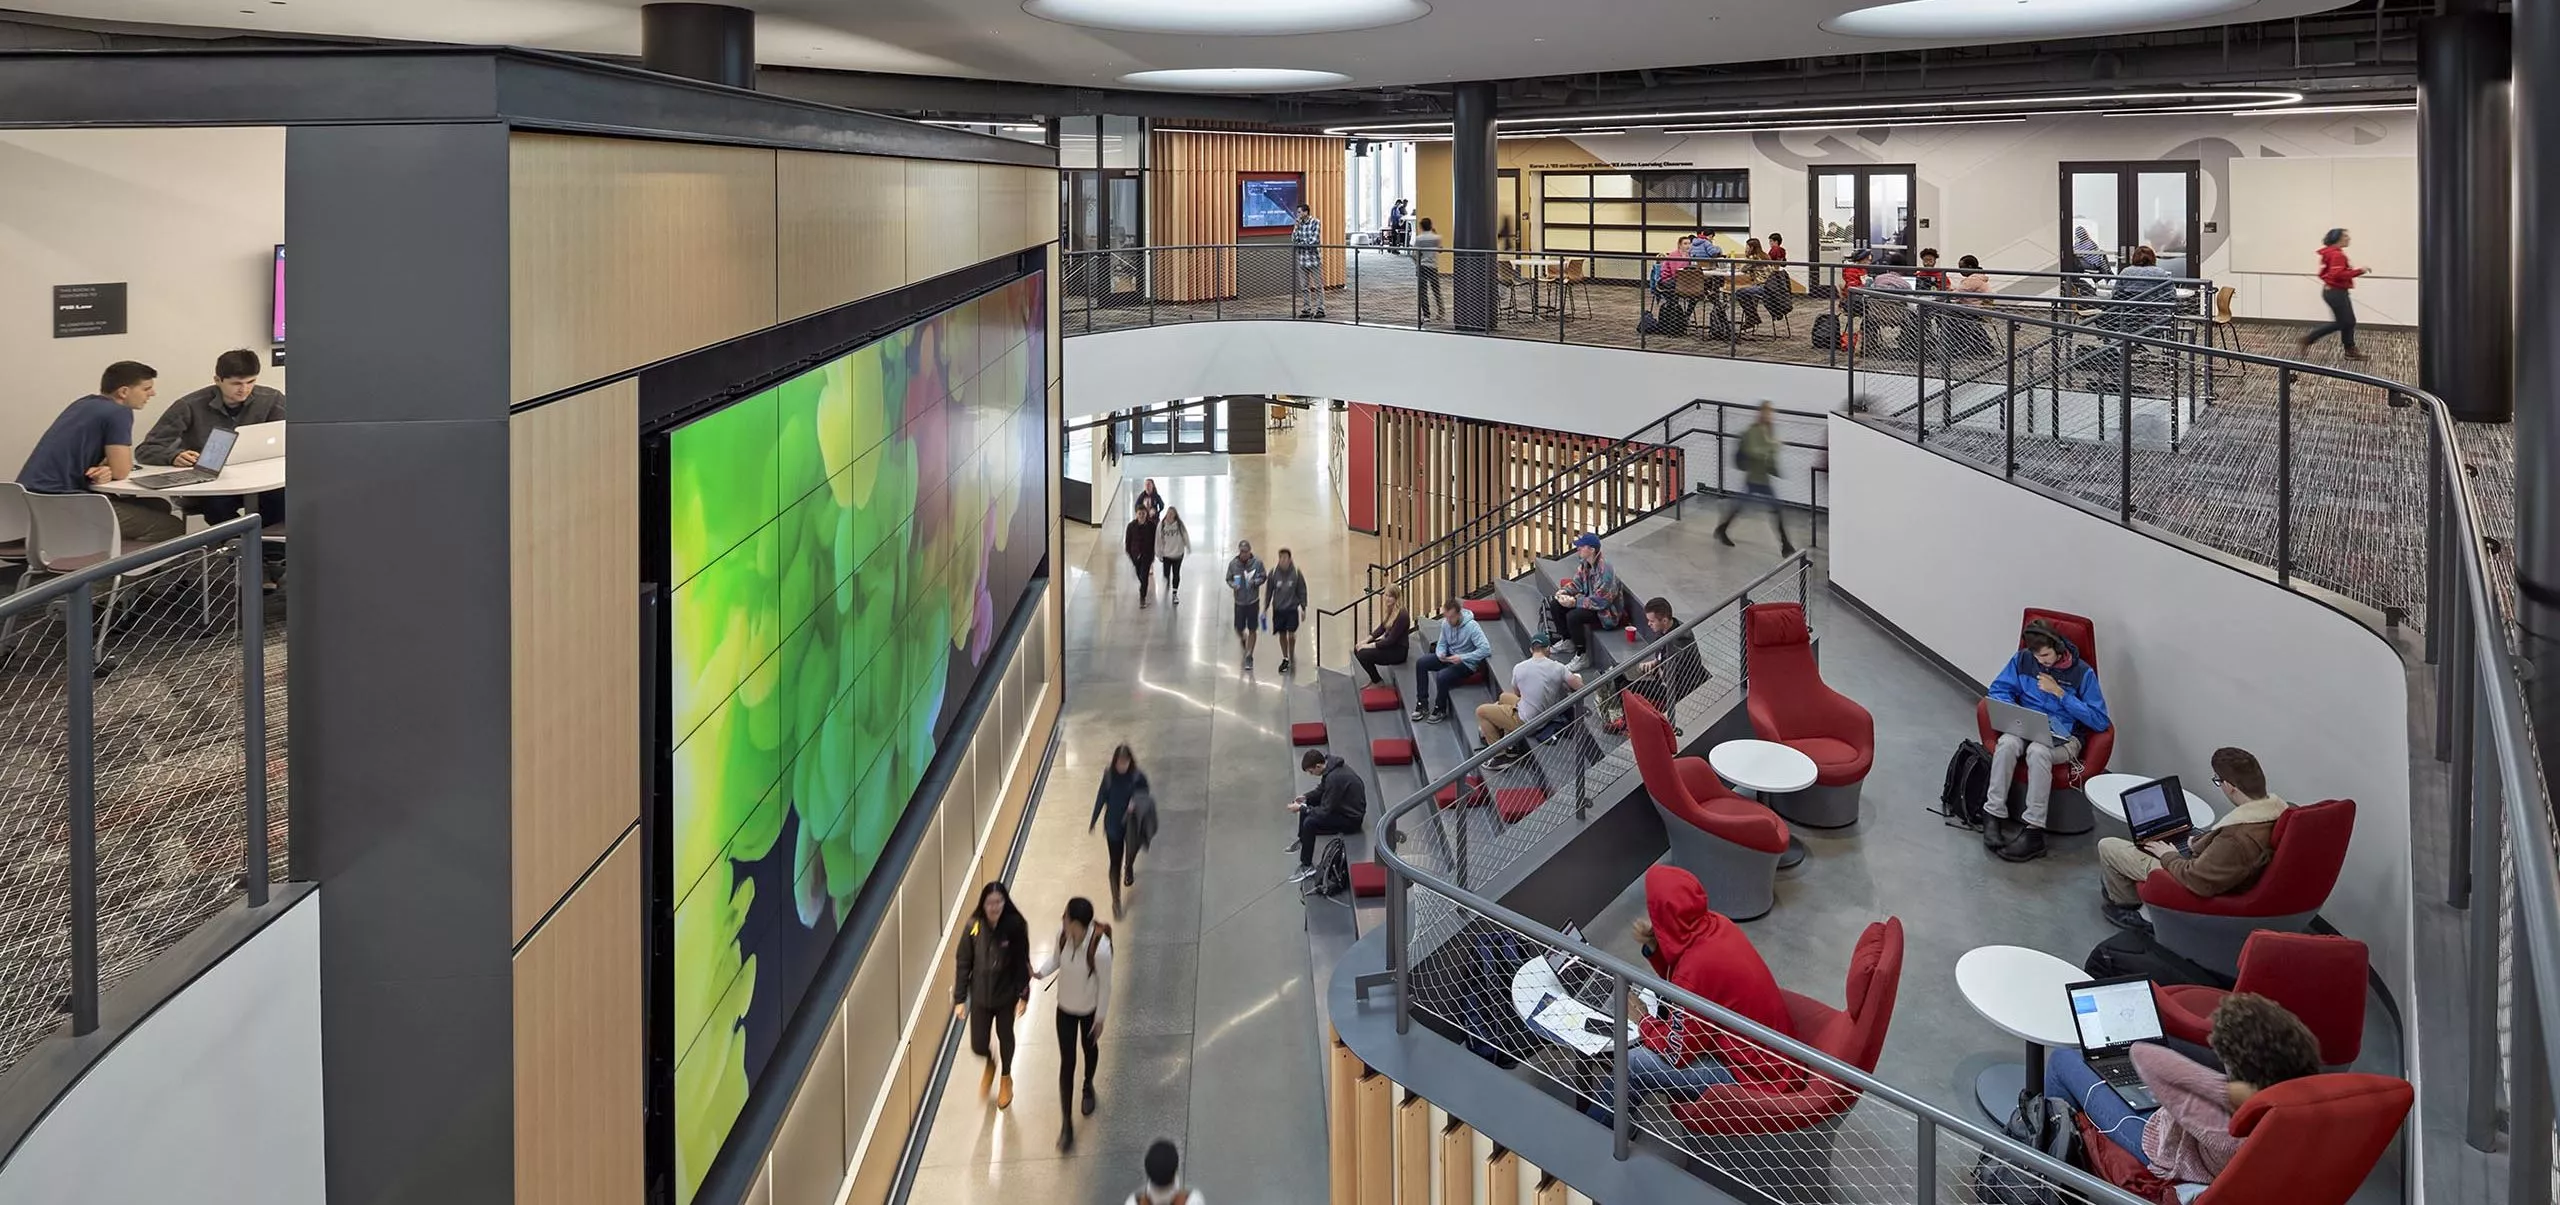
127	787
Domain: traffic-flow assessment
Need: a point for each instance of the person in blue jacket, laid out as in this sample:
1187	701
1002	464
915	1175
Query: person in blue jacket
2047	675
1121	783
1460	651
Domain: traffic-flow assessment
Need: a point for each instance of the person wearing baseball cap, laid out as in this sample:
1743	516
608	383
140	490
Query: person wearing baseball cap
1588	601
1536	685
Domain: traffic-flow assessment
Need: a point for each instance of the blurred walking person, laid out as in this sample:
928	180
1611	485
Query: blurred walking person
1288	597
1173	542
2337	276
1758	457
1081	961
1121	783
993	986
1139	541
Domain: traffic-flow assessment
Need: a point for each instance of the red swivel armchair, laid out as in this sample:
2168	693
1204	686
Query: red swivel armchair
1731	843
2311	848
1773	1117
2070	811
2311	1141
1790	704
2320	980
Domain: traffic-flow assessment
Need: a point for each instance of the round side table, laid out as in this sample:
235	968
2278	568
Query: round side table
1766	768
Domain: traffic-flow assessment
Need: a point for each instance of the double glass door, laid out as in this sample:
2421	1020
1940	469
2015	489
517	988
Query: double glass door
1193	425
2121	206
1105	212
1863	207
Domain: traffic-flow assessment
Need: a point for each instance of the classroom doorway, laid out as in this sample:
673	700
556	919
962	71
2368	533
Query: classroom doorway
2124	205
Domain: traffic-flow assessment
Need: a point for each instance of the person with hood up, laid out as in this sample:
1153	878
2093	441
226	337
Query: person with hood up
1701	951
1082	963
1336	807
1122	782
1173	542
1139	541
993	985
2337	276
2046	675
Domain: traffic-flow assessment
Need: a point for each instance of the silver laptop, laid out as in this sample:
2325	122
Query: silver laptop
2112	1015
217	452
2025	723
259	441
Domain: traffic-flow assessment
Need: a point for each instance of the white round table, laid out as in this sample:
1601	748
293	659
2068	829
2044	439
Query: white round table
2026	993
255	477
1766	768
2106	793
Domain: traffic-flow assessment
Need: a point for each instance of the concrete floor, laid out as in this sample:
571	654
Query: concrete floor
1211	1035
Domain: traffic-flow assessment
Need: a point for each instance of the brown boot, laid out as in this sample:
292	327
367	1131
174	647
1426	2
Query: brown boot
1004	1093
986	1078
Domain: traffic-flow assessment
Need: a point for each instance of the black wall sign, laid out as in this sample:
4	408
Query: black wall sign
88	310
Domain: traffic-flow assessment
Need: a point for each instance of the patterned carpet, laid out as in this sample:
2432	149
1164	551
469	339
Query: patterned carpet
170	794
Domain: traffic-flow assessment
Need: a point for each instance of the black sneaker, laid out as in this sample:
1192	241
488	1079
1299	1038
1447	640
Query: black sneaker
1088	1100
1996	832
1421	712
2027	846
2126	916
1723	539
1285	664
1438	716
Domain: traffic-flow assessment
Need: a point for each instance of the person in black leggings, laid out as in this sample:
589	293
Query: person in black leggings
993	985
2337	276
1391	642
1122	782
1082	964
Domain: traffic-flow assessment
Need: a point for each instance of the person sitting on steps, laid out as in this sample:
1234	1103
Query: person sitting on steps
1335	807
1461	650
1585	603
2046	675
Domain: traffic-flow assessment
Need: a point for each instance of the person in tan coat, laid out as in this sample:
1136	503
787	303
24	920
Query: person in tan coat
2219	860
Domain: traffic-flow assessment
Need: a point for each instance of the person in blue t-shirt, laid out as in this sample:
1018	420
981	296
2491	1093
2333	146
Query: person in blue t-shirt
92	441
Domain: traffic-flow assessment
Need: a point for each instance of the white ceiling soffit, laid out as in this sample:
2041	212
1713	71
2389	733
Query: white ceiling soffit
998	39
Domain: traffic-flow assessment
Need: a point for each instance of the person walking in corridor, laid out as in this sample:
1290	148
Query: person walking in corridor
1164	1179
1081	961
1288	596
1245	576
1758	458
1122	782
1426	271
993	985
1148	497
1173	542
1139	541
2337	276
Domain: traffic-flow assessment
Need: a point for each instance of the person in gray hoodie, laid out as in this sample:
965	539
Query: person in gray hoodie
1173	542
1286	590
1338	805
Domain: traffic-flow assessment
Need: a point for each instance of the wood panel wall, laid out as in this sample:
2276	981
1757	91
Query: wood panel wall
1193	202
579	1045
845	219
1438	475
573	576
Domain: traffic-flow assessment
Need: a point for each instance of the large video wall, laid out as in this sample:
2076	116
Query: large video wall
844	547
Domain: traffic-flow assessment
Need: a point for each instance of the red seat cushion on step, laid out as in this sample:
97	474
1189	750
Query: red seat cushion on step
1513	803
1483	608
1447	796
1380	698
1391	751
1475	679
1368	880
1309	733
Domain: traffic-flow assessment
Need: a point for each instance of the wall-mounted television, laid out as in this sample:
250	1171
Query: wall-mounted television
277	297
1267	202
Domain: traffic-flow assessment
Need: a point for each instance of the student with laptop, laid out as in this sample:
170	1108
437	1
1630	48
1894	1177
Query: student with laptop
234	400
2221	859
92	441
2183	1131
1704	952
2043	703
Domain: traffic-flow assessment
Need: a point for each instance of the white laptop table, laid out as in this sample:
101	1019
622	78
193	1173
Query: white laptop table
255	477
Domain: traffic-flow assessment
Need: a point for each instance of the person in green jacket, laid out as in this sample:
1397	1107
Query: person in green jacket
1758	459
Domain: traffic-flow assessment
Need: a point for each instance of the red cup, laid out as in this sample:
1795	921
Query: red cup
1631	633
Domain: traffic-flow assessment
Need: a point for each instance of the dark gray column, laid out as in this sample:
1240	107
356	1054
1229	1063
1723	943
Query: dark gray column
712	42
2465	323
2537	361
400	673
1473	207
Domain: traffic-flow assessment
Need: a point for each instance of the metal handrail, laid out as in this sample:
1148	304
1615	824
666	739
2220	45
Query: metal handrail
1402	874
1737	261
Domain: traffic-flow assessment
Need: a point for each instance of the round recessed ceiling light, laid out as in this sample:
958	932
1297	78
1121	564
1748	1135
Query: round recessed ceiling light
1943	19
1243	17
1236	79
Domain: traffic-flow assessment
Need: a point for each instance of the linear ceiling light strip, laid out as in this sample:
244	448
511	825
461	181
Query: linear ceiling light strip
2154	102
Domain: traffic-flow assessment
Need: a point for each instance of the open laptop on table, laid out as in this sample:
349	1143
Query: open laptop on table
217	452
2025	723
2157	811
2112	1015
259	441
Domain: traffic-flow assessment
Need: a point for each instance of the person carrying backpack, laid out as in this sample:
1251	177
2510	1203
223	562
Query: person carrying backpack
1758	460
1081	962
1122	782
1164	1179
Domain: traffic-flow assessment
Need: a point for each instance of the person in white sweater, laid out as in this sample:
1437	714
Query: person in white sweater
1081	961
1173	542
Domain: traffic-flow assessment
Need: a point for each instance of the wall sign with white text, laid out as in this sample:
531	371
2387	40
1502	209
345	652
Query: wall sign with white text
80	310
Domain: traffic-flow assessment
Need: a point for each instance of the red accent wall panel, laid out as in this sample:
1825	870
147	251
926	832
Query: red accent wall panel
1360	467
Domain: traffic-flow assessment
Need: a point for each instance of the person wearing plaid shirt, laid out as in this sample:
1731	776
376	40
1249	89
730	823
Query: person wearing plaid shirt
1307	236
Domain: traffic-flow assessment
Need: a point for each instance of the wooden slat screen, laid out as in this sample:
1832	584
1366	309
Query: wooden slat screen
1192	175
1438	474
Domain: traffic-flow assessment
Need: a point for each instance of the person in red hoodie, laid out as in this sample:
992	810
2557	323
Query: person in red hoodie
2336	277
1702	951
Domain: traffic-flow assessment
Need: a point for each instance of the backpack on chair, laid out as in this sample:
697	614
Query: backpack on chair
1968	784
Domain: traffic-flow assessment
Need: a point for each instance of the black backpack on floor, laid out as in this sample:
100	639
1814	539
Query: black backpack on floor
1333	870
1826	331
1968	784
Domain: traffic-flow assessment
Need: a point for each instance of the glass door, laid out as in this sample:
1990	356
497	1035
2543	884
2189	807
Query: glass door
1511	222
1105	212
2120	206
1190	425
1870	206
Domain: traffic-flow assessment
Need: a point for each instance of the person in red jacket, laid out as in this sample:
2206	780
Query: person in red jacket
1702	951
2336	277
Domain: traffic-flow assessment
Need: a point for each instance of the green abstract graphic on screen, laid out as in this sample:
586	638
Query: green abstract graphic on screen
843	548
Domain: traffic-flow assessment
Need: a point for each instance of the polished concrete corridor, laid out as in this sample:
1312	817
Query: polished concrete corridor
1211	1035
